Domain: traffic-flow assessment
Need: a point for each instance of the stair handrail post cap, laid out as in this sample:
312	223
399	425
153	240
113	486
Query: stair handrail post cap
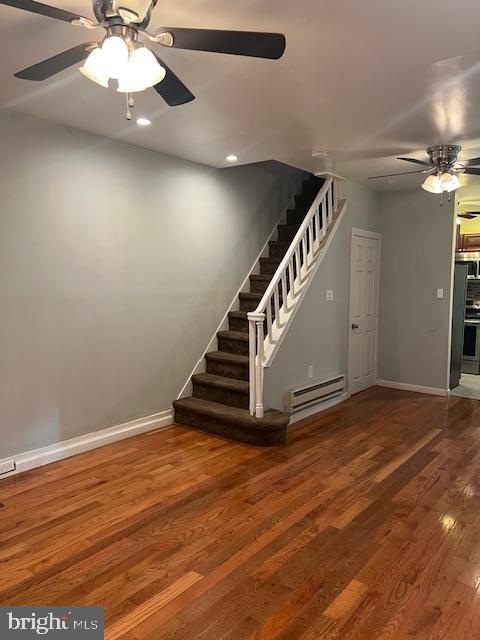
255	316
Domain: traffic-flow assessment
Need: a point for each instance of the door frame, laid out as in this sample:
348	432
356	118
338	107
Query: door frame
373	235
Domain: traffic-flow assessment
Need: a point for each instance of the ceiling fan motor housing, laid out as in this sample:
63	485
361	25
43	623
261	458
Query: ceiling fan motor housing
140	11
444	156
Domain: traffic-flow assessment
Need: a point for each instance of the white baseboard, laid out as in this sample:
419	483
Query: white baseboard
66	448
433	391
311	411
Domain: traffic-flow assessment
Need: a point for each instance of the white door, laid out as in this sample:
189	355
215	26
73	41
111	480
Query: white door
364	281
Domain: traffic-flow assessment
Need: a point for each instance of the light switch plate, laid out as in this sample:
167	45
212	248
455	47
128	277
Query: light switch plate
310	371
329	294
440	294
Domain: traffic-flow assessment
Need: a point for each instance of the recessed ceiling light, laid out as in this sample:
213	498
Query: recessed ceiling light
143	122
232	158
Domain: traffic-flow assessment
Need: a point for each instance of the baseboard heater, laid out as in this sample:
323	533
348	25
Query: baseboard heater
316	393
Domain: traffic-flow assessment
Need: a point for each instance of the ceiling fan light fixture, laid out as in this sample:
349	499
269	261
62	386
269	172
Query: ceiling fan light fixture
433	184
94	68
142	71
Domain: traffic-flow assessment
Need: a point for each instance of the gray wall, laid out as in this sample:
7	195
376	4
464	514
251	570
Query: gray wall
116	266
417	246
318	336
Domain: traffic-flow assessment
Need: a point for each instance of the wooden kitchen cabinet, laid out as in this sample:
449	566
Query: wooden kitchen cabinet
469	242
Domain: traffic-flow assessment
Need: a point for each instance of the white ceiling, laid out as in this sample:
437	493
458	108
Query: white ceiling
363	81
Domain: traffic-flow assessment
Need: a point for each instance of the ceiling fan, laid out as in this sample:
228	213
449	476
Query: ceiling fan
442	168
121	56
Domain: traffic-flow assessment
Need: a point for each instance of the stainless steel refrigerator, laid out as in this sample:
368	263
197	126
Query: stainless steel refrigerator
458	322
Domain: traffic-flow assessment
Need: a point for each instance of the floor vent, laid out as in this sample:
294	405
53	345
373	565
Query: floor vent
313	394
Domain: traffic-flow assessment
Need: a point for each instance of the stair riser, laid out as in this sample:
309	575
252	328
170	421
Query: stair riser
227	370
248	305
304	202
233	346
238	324
220	427
296	216
287	233
268	269
214	394
257	286
277	250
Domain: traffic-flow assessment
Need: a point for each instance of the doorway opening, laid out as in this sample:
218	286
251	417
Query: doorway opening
465	337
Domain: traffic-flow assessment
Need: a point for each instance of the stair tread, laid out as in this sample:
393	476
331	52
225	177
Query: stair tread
229	384
273	419
225	356
233	335
271	260
260	277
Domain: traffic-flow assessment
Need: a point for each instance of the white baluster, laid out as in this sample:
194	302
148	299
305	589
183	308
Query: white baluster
317	229
330	205
269	321
311	249
304	253
291	280
324	217
298	278
284	291
276	302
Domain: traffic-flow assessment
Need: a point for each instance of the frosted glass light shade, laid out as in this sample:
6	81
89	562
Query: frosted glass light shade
115	55
450	182
95	69
143	71
432	184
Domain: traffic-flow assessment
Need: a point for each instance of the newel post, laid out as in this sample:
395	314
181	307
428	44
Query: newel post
256	343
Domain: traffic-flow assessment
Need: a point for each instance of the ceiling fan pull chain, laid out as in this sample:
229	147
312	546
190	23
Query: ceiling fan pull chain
130	105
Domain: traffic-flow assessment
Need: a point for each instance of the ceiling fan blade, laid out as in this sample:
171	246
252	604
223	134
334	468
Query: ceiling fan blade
415	161
172	89
392	175
51	66
41	9
239	43
472	161
472	171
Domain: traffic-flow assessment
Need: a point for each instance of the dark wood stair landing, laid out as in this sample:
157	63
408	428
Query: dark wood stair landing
220	400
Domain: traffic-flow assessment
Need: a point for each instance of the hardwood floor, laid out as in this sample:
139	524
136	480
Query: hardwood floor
366	525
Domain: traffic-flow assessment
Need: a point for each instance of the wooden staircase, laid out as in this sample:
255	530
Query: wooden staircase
220	399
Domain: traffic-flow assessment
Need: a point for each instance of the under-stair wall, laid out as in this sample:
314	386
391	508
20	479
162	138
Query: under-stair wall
319	332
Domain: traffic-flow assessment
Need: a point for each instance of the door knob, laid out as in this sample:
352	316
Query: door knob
354	325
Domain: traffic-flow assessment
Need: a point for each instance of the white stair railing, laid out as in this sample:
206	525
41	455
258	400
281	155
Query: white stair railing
270	319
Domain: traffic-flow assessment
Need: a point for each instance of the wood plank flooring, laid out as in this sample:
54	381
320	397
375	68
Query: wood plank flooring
366	525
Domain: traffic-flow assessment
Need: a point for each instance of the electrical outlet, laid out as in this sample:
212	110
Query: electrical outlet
329	294
310	371
6	466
